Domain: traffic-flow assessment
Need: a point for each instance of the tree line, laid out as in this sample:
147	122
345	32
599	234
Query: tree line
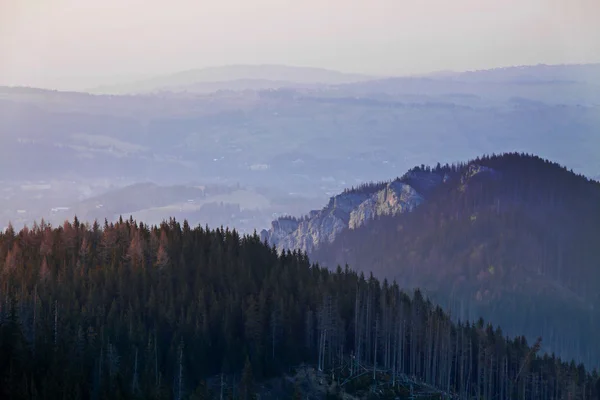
127	310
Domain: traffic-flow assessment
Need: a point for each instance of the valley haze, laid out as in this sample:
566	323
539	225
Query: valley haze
275	140
274	199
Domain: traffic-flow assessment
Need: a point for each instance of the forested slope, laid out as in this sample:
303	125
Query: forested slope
513	238
133	311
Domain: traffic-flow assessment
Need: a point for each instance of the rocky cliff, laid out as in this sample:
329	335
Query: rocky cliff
348	210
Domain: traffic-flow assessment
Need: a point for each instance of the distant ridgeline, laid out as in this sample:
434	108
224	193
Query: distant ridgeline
513	238
171	312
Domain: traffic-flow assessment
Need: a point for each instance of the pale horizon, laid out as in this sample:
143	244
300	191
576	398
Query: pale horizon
85	43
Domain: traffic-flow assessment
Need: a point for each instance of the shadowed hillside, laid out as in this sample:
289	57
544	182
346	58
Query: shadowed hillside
512	238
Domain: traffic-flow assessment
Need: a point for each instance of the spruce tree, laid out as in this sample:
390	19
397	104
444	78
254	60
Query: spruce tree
247	383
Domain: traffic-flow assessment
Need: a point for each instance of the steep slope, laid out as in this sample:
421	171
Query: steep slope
138	312
512	238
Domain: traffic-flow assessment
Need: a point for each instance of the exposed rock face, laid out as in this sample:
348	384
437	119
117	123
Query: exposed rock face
280	229
355	208
348	210
395	198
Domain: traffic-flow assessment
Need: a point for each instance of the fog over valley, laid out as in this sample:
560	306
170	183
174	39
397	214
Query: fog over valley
290	144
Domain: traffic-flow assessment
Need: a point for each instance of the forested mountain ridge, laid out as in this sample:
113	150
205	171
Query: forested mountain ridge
137	311
513	238
357	206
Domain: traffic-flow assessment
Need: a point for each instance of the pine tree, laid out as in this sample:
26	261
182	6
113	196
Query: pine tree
247	382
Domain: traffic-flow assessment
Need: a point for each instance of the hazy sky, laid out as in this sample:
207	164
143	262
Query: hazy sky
68	43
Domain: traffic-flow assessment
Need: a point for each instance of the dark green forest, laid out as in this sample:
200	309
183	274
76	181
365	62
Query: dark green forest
513	238
126	310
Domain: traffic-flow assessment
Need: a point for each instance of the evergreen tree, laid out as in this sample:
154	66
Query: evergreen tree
247	383
228	307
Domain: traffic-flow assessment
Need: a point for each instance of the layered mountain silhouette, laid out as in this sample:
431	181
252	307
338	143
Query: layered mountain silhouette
512	238
232	77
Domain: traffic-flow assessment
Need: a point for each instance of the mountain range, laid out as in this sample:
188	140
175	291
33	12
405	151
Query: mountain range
306	141
511	238
272	76
233	77
134	306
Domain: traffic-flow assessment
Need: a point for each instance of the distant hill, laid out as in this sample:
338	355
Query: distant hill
545	84
533	73
239	85
260	77
512	238
310	139
536	73
245	76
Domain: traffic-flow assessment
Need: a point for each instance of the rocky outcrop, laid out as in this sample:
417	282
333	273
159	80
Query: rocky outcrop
280	229
395	198
357	207
348	210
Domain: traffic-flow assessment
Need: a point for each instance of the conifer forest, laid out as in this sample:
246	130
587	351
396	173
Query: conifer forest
131	311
